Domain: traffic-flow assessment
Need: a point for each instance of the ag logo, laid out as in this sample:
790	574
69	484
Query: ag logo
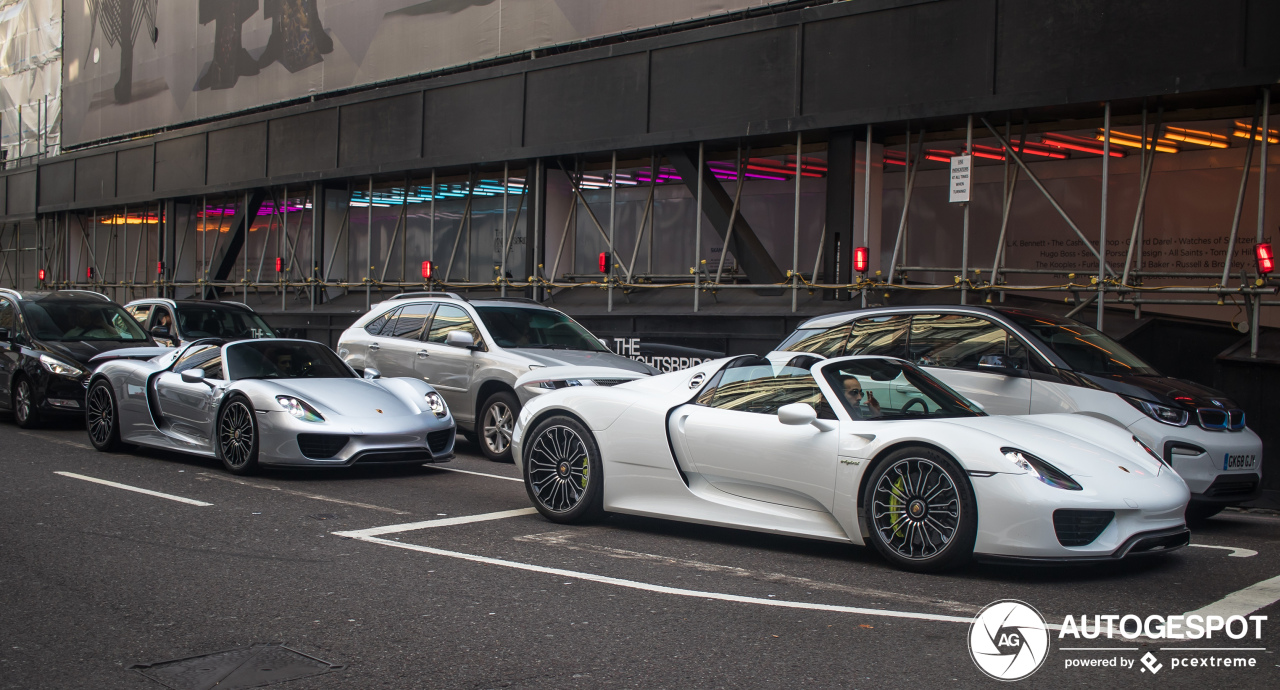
1008	640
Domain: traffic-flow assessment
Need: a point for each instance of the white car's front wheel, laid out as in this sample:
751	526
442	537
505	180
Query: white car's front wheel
562	471
921	510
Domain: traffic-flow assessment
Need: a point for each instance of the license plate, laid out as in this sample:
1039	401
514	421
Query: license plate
1244	461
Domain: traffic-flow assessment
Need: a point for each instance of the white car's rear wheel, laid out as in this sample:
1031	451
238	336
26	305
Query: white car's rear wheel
921	510
562	471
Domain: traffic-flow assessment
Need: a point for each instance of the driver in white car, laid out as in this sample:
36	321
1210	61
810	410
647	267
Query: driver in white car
860	408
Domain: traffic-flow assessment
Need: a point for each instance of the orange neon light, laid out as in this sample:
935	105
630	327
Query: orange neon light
1195	136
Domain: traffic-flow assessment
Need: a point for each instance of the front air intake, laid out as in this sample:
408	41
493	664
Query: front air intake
321	446
437	441
1080	527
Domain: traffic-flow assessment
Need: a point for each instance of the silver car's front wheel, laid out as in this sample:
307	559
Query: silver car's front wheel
238	436
562	471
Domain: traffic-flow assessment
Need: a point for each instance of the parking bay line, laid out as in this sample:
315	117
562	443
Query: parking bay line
1243	602
371	535
304	494
478	474
126	487
1236	551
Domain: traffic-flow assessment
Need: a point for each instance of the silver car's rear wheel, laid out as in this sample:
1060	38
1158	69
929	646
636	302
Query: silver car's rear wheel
238	436
497	423
562	472
100	417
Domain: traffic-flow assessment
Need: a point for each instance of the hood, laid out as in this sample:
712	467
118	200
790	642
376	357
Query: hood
354	397
1080	446
582	358
143	353
82	351
1165	390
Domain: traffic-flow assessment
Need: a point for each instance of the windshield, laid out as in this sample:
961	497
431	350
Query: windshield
892	389
55	320
537	328
1084	349
215	321
283	359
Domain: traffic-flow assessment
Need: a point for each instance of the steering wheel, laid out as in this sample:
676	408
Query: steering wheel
924	406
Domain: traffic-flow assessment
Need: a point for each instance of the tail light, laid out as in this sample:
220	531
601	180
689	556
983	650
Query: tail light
605	262
861	259
1266	259
426	270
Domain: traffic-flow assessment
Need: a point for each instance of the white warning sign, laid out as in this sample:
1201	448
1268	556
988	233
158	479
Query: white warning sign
960	168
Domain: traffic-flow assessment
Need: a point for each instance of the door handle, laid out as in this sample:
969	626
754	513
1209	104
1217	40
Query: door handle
375	347
423	354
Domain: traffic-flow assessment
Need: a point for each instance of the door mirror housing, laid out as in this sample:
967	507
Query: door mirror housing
800	414
371	373
160	332
193	376
460	339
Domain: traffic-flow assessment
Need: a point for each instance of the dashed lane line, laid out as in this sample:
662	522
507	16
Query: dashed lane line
303	494
51	439
135	489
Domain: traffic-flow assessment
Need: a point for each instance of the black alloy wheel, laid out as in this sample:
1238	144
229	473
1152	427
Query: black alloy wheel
562	471
24	404
238	436
921	511
101	418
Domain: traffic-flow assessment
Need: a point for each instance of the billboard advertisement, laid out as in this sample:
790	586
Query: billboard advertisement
138	65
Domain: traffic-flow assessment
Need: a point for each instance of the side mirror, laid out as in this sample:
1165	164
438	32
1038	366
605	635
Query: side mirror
992	362
606	345
371	373
459	339
800	414
193	376
160	332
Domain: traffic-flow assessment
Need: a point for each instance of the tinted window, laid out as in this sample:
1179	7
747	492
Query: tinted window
828	342
283	359
196	356
411	321
140	312
1084	349
375	326
885	389
215	321
7	321
537	328
58	320
880	335
954	340
762	389
161	317
450	318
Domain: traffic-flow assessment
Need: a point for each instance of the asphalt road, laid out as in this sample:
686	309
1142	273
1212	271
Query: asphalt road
95	578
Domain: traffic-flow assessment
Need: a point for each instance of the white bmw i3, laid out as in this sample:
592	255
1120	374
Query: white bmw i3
852	449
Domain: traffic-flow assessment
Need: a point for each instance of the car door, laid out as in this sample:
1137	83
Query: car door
977	357
732	437
10	352
400	343
450	369
188	408
161	316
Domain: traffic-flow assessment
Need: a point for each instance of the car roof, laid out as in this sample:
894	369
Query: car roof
189	302
841	318
57	295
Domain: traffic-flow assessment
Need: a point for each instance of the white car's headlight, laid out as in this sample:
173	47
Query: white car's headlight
299	409
436	403
1161	413
59	367
1040	469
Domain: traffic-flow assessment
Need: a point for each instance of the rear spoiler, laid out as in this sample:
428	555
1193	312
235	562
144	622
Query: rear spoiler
130	353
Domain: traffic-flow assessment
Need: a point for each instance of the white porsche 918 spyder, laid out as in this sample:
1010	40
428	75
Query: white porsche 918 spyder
853	449
264	402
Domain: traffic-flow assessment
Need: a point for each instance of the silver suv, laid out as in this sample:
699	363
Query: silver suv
472	352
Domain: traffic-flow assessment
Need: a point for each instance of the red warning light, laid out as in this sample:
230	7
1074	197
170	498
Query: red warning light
426	270
1266	259
159	268
40	274
279	265
605	263
861	259
89	273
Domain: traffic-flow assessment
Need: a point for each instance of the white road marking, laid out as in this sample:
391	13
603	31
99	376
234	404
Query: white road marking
1236	551
126	487
561	539
50	439
663	589
427	524
1245	601
1213	649
304	494
478	474
1097	649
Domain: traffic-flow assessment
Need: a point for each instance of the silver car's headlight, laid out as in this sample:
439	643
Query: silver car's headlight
59	367
1040	469
436	403
299	409
553	384
1161	413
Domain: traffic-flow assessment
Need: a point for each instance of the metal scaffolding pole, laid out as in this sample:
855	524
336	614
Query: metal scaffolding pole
1010	186
613	199
697	229
502	266
1254	323
733	213
866	205
795	237
368	249
910	172
964	236
1146	164
1102	224
1244	182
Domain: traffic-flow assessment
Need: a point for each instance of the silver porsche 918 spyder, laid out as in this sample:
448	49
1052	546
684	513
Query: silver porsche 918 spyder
264	402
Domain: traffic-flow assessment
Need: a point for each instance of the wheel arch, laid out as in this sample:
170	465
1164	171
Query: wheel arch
487	389
556	412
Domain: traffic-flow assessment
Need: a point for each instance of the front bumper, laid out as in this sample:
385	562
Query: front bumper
414	439
1140	544
1204	459
59	395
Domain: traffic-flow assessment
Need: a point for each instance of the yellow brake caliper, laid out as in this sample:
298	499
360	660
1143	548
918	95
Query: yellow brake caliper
586	470
895	505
